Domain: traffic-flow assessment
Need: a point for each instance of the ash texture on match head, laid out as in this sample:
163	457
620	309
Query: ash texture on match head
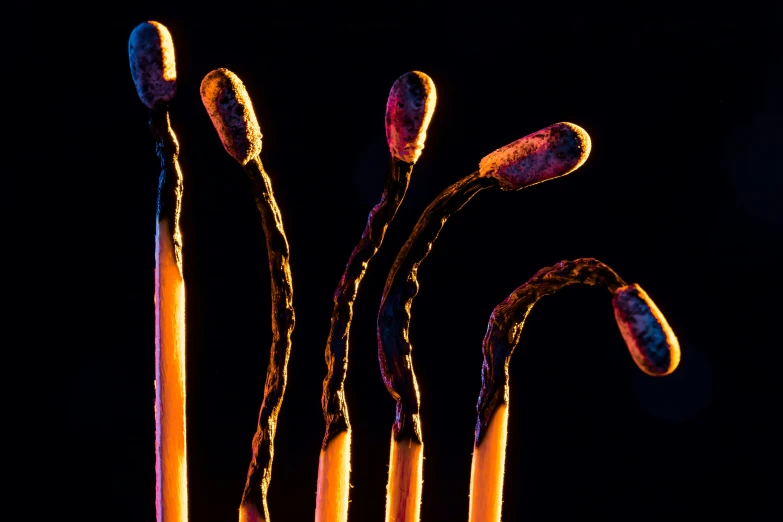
649	337
549	153
409	110
154	71
229	106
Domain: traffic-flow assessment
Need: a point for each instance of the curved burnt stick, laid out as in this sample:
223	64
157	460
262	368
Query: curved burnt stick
648	336
231	111
508	318
394	348
333	398
260	470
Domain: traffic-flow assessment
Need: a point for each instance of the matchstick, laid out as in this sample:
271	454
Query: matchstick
549	153
153	68
409	108
229	106
652	344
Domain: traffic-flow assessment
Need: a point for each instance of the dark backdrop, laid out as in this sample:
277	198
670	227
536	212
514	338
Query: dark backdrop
682	104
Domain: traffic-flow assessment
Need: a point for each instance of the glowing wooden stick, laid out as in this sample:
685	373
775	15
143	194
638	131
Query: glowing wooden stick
231	111
153	68
409	109
549	153
648	336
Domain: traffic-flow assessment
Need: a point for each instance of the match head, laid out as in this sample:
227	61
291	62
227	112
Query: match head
549	153
151	53
409	110
649	337
229	106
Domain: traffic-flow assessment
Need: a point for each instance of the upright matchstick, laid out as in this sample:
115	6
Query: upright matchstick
153	68
409	109
549	153
229	106
649	338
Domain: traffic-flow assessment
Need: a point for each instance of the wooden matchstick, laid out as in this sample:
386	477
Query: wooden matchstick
409	108
549	153
153	68
229	106
652	344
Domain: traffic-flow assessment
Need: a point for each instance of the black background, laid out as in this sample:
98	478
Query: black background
681	194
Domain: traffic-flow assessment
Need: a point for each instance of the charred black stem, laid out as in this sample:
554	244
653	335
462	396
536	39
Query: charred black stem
260	470
169	202
394	348
508	318
333	397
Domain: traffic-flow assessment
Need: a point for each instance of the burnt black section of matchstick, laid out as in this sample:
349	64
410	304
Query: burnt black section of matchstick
170	179
260	470
394	318
333	397
508	318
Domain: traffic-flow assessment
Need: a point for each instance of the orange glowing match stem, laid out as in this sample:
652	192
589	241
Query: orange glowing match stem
171	470
486	473
334	471
403	494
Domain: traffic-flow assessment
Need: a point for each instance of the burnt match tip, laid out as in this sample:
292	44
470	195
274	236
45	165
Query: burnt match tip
154	71
649	337
409	110
549	153
229	106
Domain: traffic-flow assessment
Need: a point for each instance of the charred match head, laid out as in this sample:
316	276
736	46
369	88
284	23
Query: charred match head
649	337
229	106
154	71
409	110
549	153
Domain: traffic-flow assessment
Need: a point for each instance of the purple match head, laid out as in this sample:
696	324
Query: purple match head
649	337
549	153
229	106
409	110
151	53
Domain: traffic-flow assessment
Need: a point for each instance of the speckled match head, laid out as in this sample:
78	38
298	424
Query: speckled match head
649	337
229	106
154	71
549	153
409	110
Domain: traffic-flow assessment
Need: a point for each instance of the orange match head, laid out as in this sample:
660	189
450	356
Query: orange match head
229	106
649	337
154	71
409	110
549	153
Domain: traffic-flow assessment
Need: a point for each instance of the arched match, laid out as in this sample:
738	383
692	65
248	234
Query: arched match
652	344
549	153
409	109
153	68
229	106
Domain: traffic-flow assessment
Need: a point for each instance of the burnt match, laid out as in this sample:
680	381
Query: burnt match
650	340
153	68
229	106
409	108
549	153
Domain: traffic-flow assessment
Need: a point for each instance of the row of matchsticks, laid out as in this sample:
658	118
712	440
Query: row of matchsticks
549	153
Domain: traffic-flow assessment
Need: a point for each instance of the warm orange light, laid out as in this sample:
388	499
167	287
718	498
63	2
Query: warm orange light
403	493
334	471
486	473
171	444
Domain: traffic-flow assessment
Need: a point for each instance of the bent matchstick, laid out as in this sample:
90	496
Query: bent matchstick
153	68
649	339
409	109
229	106
547	154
